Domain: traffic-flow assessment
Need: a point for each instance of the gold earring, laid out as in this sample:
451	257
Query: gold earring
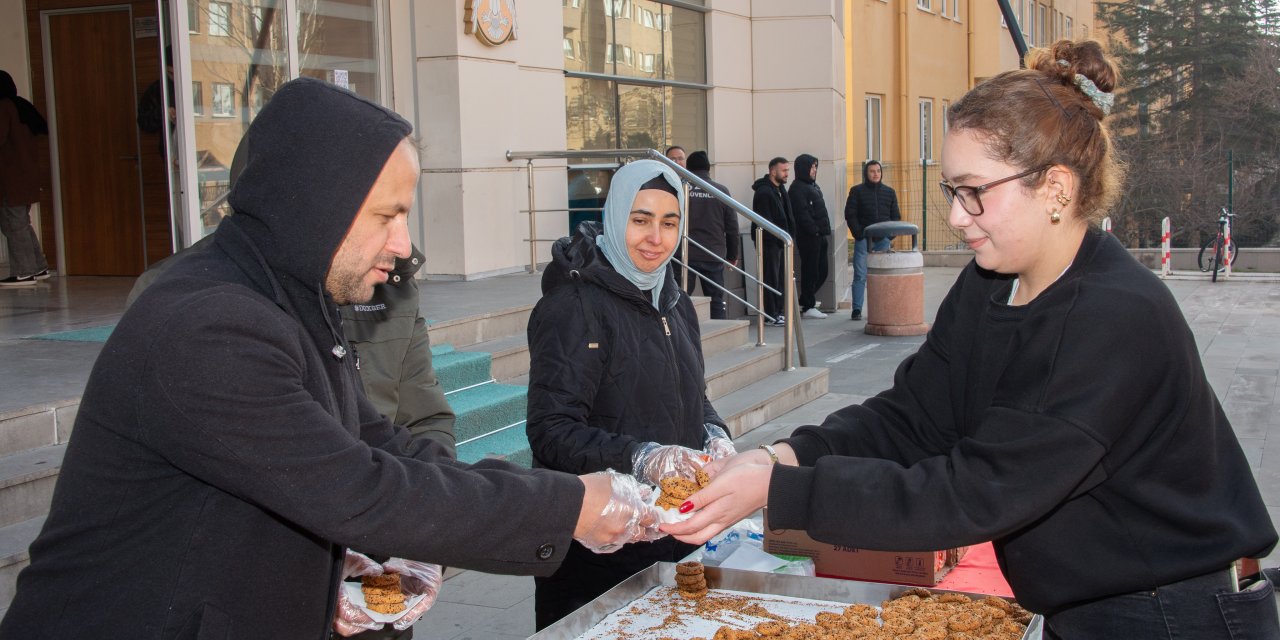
1055	217
1064	199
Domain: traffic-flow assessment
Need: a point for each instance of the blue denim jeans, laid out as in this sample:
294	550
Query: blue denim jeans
1202	608
860	268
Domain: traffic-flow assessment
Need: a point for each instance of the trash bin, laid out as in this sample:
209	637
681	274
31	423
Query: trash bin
895	284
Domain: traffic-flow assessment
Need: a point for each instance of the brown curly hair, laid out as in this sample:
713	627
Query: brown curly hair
1039	116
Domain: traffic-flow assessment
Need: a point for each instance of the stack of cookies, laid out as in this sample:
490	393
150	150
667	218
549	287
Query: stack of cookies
691	581
382	593
675	490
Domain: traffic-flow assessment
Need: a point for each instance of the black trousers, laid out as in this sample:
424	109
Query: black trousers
584	575
713	271
813	268
773	276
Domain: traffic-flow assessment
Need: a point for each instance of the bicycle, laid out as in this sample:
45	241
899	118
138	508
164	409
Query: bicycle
1212	256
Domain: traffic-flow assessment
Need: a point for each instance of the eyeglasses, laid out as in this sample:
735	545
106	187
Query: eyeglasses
969	196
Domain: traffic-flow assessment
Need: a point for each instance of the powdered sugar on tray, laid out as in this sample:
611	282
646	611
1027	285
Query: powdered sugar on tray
663	613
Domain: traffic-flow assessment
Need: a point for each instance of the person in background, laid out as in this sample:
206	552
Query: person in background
868	203
1058	407
677	155
813	234
714	225
616	373
225	457
22	131
769	199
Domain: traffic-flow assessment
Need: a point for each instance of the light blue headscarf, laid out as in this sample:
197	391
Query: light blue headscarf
623	188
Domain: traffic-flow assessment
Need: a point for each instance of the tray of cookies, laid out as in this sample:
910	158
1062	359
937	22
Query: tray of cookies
689	601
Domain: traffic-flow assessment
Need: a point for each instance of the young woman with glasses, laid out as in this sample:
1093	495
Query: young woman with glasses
1058	407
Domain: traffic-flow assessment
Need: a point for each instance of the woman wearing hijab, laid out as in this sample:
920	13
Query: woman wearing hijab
20	127
616	372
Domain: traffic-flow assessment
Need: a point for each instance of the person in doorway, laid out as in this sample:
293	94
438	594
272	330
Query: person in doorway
813	234
225	456
156	111
769	199
677	155
22	131
868	203
616	373
714	225
1059	406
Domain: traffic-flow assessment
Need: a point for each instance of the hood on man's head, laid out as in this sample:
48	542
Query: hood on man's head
698	161
866	166
803	163
317	151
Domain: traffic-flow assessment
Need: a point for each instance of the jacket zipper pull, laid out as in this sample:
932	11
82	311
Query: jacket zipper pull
666	328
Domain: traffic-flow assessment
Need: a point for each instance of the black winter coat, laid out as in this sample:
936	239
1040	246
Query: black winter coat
609	372
712	223
807	203
771	202
225	456
869	203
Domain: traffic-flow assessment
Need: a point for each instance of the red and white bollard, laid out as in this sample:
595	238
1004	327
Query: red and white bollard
1106	224
1227	247
1166	266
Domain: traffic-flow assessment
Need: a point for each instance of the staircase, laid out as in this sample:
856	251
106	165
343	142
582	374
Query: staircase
483	363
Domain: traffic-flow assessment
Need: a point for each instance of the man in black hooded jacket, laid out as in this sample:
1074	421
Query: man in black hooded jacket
769	199
813	233
868	203
225	455
714	225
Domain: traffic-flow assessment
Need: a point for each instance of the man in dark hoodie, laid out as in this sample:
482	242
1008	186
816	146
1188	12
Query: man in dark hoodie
813	233
714	225
770	200
225	456
868	203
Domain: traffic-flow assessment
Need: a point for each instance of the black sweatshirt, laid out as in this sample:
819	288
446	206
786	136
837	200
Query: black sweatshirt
1077	432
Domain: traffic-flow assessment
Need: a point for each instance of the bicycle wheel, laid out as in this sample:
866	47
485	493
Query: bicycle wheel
1207	252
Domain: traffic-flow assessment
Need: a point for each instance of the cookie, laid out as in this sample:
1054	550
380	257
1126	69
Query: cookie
690	568
694	579
693	595
384	580
679	488
388	608
383	598
701	478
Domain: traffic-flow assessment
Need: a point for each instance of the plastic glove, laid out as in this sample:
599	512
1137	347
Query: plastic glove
719	444
652	462
350	619
416	578
627	517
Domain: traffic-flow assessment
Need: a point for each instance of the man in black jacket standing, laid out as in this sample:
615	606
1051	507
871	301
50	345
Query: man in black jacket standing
714	225
813	233
868	203
770	200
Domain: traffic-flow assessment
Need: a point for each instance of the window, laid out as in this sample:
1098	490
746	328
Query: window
648	63
1026	19
568	49
942	10
197	98
193	16
946	106
627	58
1043	27
873	127
219	19
926	128
927	5
224	99
1068	26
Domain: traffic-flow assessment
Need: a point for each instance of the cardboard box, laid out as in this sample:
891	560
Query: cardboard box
924	568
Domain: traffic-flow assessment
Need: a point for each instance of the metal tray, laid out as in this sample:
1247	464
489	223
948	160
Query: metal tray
663	574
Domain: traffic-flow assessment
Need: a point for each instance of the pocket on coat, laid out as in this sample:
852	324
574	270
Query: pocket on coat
1252	614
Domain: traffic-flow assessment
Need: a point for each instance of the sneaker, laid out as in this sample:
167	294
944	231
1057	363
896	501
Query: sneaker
856	315
813	314
42	275
778	321
18	281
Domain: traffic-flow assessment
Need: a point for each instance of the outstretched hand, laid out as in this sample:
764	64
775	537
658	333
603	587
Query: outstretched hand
738	489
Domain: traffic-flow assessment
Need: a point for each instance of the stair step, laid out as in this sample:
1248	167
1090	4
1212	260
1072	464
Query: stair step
464	332
509	355
719	336
486	408
734	369
508	444
26	483
15	539
762	401
39	425
460	369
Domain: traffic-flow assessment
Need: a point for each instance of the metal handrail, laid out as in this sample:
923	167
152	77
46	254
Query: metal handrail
789	294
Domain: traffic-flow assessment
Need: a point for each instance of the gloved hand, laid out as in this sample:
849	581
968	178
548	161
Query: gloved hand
652	462
350	619
416	578
627	517
719	444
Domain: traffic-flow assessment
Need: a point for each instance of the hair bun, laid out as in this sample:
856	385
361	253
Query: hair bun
1082	65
